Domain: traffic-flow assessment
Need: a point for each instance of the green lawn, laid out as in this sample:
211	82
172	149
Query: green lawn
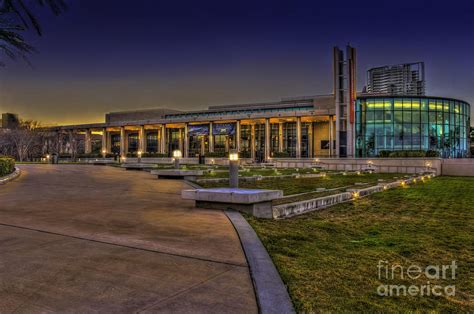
250	172
301	185
328	259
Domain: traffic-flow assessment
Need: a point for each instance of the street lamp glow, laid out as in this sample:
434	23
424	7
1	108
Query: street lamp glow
177	153
104	151
47	156
139	153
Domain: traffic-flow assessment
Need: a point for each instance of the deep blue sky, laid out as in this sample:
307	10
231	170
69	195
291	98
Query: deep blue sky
106	55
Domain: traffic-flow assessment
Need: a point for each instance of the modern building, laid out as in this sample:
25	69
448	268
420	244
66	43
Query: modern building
342	124
402	79
302	127
398	123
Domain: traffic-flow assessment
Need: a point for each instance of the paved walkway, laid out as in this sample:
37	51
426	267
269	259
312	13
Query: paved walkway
102	239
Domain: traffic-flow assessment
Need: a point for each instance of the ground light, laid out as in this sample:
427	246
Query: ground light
234	169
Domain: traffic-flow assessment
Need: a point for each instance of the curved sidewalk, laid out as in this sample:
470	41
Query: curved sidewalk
84	238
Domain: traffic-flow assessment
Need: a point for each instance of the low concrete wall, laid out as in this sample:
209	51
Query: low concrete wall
382	165
292	209
458	167
298	208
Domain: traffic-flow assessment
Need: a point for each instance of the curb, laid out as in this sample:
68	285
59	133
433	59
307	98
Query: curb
270	291
12	176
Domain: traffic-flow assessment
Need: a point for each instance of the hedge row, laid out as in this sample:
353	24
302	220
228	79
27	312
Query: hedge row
408	153
7	166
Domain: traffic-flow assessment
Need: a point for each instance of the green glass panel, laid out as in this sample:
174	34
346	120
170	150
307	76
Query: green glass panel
424	104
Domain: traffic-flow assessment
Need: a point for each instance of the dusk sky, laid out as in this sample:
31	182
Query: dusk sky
112	55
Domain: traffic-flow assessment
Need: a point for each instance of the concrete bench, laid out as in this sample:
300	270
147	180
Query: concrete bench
177	174
101	162
138	166
255	202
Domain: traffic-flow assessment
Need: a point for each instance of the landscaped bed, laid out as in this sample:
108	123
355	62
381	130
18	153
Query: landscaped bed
333	182
329	259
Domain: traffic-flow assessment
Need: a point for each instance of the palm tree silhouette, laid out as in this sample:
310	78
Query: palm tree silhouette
17	17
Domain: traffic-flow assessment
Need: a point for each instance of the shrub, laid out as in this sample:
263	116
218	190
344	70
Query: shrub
92	155
432	153
216	154
384	153
7	166
154	155
407	153
281	155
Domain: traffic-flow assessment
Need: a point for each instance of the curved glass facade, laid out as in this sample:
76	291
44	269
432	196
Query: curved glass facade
412	124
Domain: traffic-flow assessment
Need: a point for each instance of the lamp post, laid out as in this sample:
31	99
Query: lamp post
176	156
47	158
139	155
234	169
104	153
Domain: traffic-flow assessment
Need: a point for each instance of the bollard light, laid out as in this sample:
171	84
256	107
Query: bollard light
176	156
139	155
234	169
234	156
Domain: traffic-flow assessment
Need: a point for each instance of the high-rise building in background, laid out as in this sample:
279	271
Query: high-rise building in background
402	80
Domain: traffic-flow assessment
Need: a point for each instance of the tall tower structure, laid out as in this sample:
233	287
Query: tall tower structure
344	99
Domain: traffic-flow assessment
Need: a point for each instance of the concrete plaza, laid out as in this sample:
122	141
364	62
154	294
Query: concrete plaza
76	238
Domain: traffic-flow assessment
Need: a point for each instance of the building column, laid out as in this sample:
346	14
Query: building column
310	141
109	142
211	139
186	141
280	137
104	141
164	149
252	141
237	135
298	137
331	139
88	142
123	150
142	139
180	142
267	139
203	145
